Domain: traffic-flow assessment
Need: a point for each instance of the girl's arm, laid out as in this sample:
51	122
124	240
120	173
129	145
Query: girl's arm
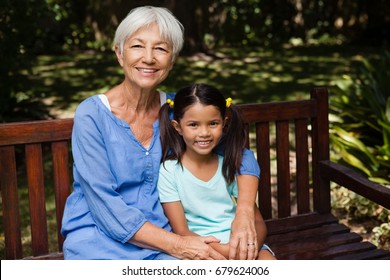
175	214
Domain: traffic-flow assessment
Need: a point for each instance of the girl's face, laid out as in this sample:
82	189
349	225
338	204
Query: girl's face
201	128
146	59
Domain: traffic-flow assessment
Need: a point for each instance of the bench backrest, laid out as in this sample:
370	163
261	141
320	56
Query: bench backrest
289	139
24	145
294	136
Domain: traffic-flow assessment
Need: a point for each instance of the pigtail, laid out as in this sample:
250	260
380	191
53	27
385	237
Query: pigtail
165	125
233	143
171	143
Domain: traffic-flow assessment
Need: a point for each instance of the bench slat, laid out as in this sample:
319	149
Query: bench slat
315	247
342	249
320	148
264	159
35	131
10	203
278	111
60	153
294	236
36	193
366	255
299	222
302	165
283	167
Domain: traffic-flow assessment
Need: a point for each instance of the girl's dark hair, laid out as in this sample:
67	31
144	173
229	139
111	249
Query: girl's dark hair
232	142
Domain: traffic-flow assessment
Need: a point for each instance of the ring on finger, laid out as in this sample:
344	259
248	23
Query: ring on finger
251	244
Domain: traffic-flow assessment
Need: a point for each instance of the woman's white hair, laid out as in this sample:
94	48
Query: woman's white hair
170	27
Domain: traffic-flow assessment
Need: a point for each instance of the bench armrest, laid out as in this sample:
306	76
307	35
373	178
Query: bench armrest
355	182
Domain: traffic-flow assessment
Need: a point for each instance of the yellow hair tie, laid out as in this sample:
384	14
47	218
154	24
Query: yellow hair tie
228	102
170	102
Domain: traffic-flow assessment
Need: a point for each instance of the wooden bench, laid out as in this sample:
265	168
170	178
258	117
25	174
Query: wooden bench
290	139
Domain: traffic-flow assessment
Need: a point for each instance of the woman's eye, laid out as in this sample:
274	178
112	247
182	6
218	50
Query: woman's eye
136	46
161	49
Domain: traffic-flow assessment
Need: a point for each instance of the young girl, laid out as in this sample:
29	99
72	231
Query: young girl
196	184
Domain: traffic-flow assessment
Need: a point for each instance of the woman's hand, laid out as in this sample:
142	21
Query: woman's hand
243	237
183	247
196	248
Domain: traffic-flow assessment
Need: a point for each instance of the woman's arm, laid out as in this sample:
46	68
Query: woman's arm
182	247
243	229
261	227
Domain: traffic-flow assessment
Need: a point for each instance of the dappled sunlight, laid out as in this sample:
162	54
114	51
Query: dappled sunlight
247	74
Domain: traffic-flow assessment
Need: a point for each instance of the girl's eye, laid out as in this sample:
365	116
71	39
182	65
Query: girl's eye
193	125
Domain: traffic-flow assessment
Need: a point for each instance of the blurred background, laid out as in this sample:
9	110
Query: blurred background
55	53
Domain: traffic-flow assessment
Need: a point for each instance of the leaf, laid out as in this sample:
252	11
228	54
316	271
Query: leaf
354	142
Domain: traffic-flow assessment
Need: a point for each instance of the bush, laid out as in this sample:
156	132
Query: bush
360	138
360	120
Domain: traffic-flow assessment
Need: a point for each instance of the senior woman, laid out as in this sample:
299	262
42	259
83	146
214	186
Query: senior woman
114	211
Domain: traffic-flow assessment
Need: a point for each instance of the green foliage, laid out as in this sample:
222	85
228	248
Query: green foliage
360	126
26	28
381	236
360	138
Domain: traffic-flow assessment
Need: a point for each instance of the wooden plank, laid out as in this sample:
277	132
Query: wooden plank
283	169
302	162
278	111
346	177
320	147
247	138
316	247
293	236
346	248
263	157
60	153
51	256
10	203
36	195
35	131
299	222
366	255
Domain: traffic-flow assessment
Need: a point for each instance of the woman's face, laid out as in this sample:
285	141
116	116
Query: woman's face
146	59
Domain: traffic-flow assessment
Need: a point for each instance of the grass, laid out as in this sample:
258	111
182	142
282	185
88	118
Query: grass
61	82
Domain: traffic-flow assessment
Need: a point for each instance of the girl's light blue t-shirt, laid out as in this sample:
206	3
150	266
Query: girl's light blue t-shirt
208	206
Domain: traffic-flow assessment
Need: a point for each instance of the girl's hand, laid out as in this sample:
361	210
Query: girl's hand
196	248
243	237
